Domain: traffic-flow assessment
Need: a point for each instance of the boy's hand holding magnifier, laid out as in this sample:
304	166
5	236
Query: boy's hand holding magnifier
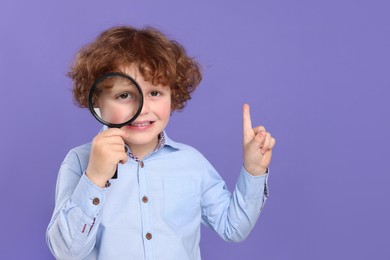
108	148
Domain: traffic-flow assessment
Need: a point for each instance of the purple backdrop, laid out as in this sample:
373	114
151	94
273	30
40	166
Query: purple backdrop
316	74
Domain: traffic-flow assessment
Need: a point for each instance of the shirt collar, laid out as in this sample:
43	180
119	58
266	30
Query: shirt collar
171	143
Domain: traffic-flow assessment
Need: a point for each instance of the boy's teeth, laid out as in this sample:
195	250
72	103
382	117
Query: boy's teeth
141	124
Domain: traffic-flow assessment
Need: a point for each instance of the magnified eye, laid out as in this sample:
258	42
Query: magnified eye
125	96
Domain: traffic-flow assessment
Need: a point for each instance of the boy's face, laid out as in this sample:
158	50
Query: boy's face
143	132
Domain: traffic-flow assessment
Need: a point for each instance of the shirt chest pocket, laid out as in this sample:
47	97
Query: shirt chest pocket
181	200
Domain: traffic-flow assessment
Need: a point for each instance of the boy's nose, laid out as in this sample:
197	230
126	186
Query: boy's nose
145	107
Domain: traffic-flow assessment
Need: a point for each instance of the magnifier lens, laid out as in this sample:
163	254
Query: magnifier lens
116	100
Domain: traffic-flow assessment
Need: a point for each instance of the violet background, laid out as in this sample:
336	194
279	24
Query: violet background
316	74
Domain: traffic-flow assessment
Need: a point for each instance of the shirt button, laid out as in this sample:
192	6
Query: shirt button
96	201
145	199
148	236
141	164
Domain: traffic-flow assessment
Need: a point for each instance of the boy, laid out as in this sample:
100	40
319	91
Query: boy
164	189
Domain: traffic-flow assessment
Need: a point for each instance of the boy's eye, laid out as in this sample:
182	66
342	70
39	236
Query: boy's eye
155	93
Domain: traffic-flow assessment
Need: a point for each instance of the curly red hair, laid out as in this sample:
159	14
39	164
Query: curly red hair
159	60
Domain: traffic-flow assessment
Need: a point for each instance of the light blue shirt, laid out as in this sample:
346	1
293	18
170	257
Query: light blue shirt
153	210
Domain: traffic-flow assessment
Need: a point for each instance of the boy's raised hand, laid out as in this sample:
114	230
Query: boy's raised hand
257	145
107	150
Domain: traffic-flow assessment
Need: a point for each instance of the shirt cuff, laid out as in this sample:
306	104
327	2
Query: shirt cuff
252	186
88	196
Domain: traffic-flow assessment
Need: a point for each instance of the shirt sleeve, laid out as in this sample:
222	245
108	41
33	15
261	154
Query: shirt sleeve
232	215
71	233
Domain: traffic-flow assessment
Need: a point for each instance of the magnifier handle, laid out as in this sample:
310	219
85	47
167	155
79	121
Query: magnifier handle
115	176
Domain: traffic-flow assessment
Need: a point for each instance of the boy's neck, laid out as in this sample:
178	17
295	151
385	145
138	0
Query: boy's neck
140	151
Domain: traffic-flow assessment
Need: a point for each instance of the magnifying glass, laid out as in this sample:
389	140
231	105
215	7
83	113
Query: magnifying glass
115	100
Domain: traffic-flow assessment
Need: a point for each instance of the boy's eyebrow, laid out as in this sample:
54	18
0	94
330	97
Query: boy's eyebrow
159	87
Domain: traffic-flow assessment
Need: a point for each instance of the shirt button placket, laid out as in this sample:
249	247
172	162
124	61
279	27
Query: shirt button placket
145	210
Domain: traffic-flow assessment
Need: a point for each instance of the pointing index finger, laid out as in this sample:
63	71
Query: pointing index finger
246	118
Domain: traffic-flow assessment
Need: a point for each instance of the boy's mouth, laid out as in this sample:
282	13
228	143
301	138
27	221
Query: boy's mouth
141	124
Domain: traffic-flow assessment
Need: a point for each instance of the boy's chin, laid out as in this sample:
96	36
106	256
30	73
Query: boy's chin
142	139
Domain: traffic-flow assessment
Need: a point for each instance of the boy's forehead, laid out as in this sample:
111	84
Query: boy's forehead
133	71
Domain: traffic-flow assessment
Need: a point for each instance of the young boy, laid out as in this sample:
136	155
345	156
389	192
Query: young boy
164	189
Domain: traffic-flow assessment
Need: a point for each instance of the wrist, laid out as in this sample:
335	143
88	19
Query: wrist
256	171
96	180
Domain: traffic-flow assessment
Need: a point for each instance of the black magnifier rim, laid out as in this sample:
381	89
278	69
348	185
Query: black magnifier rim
94	86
